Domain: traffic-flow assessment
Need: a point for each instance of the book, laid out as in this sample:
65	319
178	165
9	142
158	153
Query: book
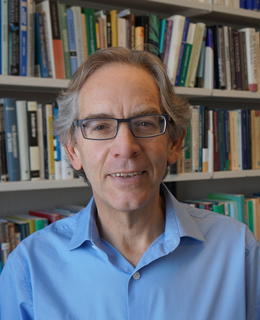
41	61
195	54
58	54
62	19
91	30
43	6
34	149
3	163
48	214
255	138
175	44
22	130
11	139
114	28
209	61
238	198
13	37
250	57
4	37
185	61
72	41
23	38
30	38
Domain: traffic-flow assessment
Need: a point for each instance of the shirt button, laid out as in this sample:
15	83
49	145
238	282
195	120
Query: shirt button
137	276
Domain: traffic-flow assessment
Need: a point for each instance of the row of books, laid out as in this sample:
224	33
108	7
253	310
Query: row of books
243	4
220	139
15	228
243	208
56	39
29	149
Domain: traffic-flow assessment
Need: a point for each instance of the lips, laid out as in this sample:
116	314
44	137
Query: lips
127	174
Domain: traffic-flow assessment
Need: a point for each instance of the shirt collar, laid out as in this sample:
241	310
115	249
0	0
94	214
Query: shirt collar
178	218
178	223
86	229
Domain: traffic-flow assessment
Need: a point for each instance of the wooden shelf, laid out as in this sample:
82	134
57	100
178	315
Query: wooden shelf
41	184
212	175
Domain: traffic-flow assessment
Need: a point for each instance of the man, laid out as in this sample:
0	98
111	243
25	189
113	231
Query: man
134	252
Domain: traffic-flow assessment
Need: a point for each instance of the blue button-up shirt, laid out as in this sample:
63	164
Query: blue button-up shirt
203	267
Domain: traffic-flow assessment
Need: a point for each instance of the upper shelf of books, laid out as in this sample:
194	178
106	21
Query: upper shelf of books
42	85
210	10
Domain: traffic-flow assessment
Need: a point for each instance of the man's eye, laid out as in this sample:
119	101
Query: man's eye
145	124
100	127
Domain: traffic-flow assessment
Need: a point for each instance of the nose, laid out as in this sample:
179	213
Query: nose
125	145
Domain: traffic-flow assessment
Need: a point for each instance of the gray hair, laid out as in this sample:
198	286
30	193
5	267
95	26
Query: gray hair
176	107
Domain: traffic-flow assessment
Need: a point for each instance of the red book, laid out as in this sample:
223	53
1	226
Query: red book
48	214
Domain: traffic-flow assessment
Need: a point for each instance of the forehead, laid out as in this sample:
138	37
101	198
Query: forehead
118	88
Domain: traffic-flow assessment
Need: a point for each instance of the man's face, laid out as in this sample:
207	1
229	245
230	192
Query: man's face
122	91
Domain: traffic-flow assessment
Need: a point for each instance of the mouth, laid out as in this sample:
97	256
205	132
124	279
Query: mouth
127	174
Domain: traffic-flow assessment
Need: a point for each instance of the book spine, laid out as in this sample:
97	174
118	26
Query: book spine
23	38
13	37
11	141
64	36
34	151
72	41
56	40
21	114
30	38
209	61
3	163
43	7
114	30
91	30
4	37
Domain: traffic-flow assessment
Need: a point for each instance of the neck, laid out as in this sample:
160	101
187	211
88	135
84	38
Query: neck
131	233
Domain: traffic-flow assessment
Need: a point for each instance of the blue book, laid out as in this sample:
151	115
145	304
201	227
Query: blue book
23	38
72	41
40	47
184	38
242	4
11	139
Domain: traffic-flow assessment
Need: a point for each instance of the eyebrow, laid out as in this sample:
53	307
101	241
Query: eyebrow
110	115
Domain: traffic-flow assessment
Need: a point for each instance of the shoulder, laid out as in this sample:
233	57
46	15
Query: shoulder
225	230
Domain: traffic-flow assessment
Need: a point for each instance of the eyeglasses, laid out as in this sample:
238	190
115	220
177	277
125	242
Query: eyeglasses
146	126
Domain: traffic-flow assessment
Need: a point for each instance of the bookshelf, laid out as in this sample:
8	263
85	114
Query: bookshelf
34	194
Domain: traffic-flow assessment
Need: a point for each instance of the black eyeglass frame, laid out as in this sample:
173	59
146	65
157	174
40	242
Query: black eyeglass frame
166	117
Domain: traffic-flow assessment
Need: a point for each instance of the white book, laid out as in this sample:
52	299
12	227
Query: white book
66	169
251	57
78	33
44	7
4	36
195	54
175	44
23	147
209	63
34	151
122	32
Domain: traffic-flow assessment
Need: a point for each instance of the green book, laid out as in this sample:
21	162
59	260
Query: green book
64	36
250	214
154	29
91	30
239	199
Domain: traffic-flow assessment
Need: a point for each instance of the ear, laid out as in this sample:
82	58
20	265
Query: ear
73	156
175	148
